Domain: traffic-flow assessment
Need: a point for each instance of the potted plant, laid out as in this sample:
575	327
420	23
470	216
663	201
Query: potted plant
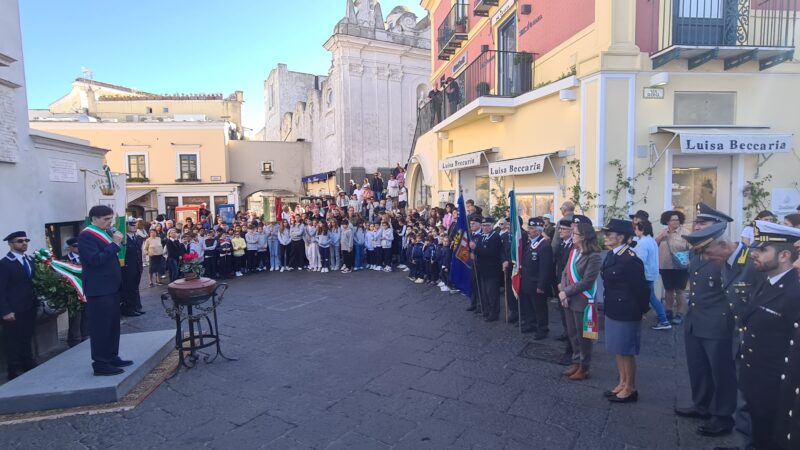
461	25
192	266
482	89
193	288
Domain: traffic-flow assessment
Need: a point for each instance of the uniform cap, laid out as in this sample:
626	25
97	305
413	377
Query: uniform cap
619	226
536	222
488	221
581	219
706	213
765	233
72	241
548	216
14	235
565	223
702	238
640	214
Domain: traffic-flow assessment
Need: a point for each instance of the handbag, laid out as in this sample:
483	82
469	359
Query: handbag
679	259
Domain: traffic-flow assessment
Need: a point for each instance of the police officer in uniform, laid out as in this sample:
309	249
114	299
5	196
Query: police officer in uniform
488	260
474	238
508	292
536	279
17	305
130	300
709	332
73	255
768	324
101	283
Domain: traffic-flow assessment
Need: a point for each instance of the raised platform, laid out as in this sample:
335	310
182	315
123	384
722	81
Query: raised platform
67	381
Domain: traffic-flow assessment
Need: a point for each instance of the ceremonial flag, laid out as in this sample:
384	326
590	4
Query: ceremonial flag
461	266
516	246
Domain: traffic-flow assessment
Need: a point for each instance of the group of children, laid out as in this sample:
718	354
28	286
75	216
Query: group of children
429	257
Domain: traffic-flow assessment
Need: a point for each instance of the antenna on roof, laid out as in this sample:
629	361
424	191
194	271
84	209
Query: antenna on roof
87	73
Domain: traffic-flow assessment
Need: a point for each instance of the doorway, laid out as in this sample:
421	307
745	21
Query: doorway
704	22
507	47
701	179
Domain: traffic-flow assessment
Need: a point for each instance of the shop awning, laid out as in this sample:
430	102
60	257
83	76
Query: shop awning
729	140
465	161
316	177
526	165
132	196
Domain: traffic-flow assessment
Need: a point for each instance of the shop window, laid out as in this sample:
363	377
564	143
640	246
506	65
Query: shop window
534	205
482	193
691	185
165	110
705	108
171	203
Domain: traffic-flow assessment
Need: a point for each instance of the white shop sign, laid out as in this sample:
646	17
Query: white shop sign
461	162
518	166
699	143
784	201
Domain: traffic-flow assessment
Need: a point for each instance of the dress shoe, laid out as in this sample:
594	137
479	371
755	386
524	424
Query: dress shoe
581	374
471	308
130	314
691	411
571	370
107	371
513	318
633	397
715	427
140	311
119	362
608	394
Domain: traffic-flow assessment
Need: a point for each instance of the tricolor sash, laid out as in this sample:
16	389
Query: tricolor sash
591	327
98	233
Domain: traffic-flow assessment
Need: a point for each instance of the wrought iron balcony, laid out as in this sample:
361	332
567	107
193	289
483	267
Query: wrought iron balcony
736	31
453	30
493	73
482	7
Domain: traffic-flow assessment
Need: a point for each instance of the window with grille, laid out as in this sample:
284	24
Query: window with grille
188	166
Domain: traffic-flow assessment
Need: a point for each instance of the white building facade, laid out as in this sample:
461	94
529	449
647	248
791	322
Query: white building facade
361	118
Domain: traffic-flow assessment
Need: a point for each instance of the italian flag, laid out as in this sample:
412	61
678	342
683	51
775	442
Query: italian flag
516	246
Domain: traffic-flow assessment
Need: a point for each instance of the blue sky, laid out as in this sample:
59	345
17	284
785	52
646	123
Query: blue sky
170	46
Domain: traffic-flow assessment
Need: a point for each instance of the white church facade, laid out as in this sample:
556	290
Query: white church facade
361	117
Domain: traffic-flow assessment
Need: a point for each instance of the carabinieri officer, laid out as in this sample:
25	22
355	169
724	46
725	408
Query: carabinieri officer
101	283
17	304
768	325
536	279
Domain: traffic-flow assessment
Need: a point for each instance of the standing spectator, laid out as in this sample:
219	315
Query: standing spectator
311	246
578	287
272	231
567	212
297	249
346	243
435	100
101	282
386	239
369	243
174	253
401	177
210	254
453	92
18	305
397	169
626	293
359	245
393	186
239	247
323	240
154	250
252	241
225	260
377	186
647	250
674	271
336	245
284	243
263	249
130	300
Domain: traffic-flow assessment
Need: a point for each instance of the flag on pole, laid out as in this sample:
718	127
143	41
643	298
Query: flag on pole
461	265
516	246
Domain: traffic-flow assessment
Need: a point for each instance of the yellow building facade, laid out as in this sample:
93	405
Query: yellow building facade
168	164
686	100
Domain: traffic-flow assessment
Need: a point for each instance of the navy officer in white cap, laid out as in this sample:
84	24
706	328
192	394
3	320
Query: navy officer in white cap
17	304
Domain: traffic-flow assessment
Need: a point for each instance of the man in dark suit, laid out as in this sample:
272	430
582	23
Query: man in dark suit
488	261
17	305
768	324
536	279
102	278
130	301
474	237
709	332
510	300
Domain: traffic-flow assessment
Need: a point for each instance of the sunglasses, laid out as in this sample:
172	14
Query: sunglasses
21	241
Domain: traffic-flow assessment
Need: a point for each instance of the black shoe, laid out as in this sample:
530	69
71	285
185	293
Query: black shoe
130	314
715	427
691	412
140	312
513	318
471	308
121	363
629	399
609	394
563	338
107	371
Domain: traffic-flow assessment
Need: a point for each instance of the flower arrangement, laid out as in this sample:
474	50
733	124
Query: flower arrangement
58	284
192	265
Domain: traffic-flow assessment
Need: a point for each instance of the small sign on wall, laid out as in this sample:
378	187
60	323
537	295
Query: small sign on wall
653	93
63	170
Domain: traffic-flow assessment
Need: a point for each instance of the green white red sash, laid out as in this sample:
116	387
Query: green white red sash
98	232
70	272
591	326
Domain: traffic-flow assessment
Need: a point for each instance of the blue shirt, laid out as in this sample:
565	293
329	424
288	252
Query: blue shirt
647	250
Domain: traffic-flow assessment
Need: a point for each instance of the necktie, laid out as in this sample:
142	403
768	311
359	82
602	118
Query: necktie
27	266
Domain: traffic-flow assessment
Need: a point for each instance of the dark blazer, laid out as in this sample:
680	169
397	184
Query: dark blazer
626	293
768	325
175	249
739	280
133	252
101	271
16	287
561	256
536	265
709	315
489	255
787	426
589	268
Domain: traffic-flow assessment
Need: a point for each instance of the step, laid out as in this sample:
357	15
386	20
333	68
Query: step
66	381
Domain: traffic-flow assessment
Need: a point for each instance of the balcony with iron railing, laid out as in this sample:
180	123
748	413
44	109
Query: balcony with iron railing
482	7
453	30
493	73
735	31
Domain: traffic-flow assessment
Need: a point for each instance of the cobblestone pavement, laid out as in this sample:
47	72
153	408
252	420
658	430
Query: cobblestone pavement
372	361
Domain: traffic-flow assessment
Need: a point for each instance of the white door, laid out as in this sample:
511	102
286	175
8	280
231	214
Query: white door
702	179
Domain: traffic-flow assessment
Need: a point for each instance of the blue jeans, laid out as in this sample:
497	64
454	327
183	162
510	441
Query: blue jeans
173	267
336	256
655	302
359	250
325	257
274	256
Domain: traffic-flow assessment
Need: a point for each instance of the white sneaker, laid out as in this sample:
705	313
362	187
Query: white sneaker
419	281
281	269
444	289
406	269
387	269
440	284
377	268
238	274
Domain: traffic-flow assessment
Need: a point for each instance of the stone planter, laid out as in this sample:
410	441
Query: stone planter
191	290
